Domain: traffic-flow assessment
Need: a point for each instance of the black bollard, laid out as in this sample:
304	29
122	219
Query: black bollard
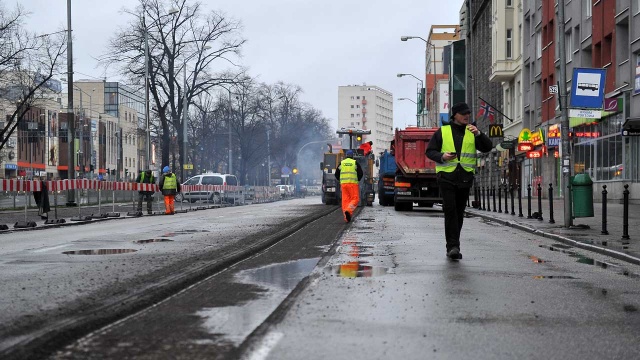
488	198
604	211
513	211
483	200
551	221
519	201
539	201
506	199
529	201
499	198
625	213
493	192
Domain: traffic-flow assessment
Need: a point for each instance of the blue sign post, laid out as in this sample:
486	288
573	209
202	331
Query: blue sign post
587	88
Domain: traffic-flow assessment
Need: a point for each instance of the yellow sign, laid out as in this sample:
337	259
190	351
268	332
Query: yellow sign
525	136
495	131
537	138
188	166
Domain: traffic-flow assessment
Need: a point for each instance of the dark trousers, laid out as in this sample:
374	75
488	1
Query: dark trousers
454	201
148	198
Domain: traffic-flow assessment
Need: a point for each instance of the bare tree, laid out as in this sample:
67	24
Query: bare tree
27	65
180	34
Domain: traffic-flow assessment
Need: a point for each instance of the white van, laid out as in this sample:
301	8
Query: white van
211	196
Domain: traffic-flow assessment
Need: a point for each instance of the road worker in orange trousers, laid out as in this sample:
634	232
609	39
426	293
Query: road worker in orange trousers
349	174
169	186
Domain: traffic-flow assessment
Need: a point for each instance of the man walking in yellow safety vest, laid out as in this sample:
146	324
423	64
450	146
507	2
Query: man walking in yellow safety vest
349	174
169	186
453	148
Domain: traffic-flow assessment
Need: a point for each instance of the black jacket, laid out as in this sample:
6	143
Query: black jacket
358	170
148	179
459	176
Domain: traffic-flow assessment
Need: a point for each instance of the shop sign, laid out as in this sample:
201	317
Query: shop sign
11	166
534	154
553	135
507	144
537	138
585	114
525	147
524	136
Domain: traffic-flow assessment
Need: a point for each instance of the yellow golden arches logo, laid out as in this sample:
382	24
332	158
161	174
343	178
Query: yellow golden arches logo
495	131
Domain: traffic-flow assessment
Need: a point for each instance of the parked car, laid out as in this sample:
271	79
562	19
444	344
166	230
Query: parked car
211	195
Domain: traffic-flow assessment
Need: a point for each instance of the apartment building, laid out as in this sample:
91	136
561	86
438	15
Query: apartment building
120	111
437	72
518	72
367	107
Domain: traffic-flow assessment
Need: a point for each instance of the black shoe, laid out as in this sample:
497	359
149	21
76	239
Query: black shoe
454	254
149	212
348	216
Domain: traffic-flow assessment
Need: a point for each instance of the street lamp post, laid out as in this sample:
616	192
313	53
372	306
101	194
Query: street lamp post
185	108
428	44
146	81
420	102
71	167
417	115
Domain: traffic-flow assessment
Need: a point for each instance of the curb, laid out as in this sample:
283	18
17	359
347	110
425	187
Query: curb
565	240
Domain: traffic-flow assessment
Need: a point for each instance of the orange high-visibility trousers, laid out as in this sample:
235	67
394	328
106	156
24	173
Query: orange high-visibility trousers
169	204
350	198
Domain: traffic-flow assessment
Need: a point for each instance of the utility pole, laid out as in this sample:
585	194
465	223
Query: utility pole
71	128
566	148
268	159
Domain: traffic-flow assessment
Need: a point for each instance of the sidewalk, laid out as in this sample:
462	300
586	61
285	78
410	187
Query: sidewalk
586	232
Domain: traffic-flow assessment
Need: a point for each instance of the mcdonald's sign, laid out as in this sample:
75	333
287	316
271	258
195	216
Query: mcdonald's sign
495	131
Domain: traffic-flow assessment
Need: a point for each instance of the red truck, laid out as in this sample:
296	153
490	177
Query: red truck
415	180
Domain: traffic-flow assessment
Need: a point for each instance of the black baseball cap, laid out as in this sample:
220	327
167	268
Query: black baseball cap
460	108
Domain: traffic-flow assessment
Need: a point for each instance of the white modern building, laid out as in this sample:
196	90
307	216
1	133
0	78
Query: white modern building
367	107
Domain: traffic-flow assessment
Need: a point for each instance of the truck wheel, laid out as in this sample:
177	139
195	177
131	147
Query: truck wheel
324	201
398	206
389	200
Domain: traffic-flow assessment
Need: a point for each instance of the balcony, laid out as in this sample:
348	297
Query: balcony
364	110
504	70
364	119
364	102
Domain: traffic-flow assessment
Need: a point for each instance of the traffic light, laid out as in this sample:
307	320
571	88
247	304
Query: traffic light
359	137
294	171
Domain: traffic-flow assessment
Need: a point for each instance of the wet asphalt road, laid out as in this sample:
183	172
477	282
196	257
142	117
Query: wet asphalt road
381	290
390	293
50	296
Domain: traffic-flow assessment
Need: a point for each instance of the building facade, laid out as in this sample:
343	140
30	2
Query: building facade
367	107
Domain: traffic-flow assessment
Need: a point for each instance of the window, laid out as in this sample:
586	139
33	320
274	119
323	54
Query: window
509	44
568	47
358	97
352	106
353	98
352	115
587	8
538	45
509	3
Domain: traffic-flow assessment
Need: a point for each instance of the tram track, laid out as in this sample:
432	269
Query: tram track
40	338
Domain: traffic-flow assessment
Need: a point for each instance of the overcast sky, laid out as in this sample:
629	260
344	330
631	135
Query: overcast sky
316	44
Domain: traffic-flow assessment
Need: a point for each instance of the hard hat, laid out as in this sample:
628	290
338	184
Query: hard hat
165	169
349	153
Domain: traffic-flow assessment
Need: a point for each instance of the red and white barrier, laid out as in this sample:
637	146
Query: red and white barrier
86	184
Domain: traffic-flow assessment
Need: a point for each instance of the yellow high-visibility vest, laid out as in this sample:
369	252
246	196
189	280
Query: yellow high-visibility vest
467	154
348	172
170	182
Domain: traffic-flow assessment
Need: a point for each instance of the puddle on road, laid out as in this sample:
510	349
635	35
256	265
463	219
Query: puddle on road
553	277
146	241
99	252
354	269
183	232
235	323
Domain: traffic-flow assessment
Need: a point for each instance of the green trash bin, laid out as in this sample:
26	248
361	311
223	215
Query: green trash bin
582	195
